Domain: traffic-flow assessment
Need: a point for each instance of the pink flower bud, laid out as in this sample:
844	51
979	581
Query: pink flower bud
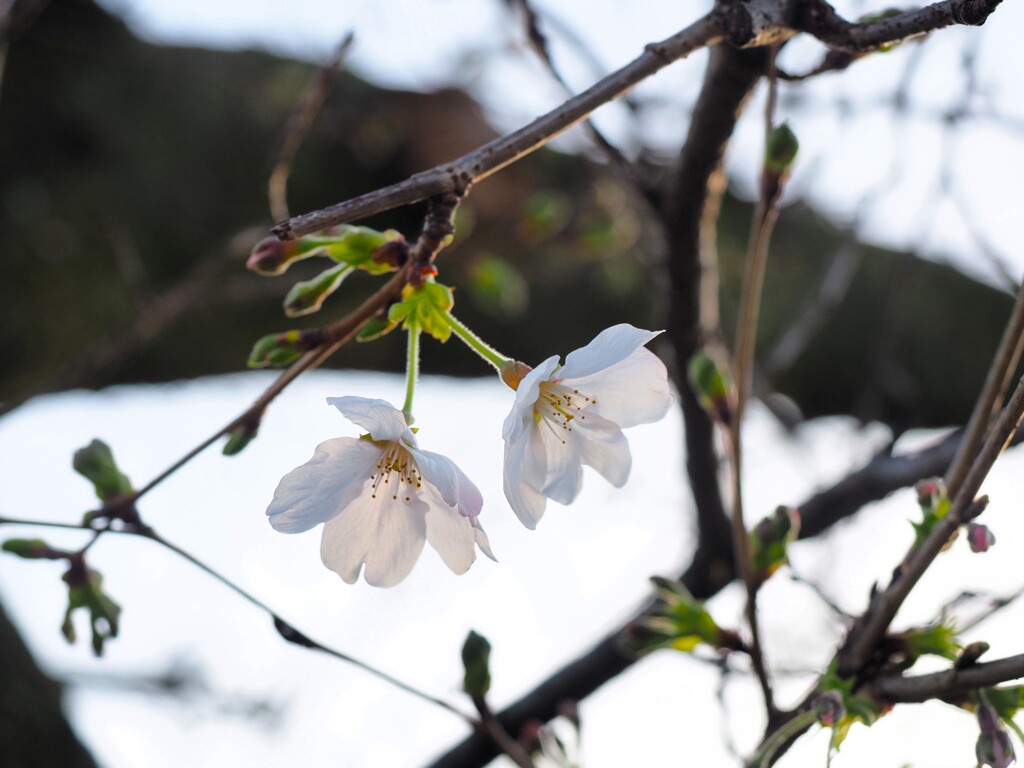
829	708
980	537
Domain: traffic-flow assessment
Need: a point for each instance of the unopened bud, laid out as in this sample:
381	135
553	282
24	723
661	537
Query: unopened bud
241	436
308	296
980	538
32	549
930	492
393	253
271	256
476	655
829	708
712	385
85	590
277	350
96	464
513	372
780	150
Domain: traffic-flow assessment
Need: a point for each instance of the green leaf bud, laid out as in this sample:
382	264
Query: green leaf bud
376	327
713	386
780	150
476	657
308	296
277	350
32	549
96	464
85	591
241	436
770	538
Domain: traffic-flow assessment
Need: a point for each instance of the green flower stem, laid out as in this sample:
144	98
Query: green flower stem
765	756
475	343
412	370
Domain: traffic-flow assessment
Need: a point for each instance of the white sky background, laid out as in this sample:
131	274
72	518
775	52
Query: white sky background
586	566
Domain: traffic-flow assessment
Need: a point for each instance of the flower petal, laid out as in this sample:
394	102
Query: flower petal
378	417
603	447
521	416
633	391
385	534
324	485
481	539
610	346
452	535
560	449
528	503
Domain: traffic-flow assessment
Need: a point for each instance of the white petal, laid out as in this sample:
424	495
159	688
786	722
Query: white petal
528	503
324	485
441	473
521	416
481	539
563	478
385	534
452	535
609	347
633	391
603	447
378	417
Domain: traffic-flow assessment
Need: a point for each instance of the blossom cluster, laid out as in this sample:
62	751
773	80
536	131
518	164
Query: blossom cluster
380	496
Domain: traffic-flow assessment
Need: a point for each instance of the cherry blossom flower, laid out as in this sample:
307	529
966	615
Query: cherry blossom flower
570	415
380	497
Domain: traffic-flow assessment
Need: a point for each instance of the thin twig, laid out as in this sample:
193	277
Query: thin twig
1003	366
297	128
491	727
282	626
866	633
743	360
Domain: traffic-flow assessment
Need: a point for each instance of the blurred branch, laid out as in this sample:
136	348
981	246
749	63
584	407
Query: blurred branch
297	128
950	683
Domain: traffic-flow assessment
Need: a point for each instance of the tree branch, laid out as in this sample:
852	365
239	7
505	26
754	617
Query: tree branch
950	683
459	175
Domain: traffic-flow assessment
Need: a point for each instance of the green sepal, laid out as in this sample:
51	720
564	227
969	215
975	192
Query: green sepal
476	658
376	327
780	150
307	297
96	464
85	591
677	622
1006	701
935	640
426	308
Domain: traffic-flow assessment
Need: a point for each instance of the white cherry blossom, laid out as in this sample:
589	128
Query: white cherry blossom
570	415
380	497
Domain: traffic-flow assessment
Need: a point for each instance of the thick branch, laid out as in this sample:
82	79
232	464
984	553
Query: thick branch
821	20
949	683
